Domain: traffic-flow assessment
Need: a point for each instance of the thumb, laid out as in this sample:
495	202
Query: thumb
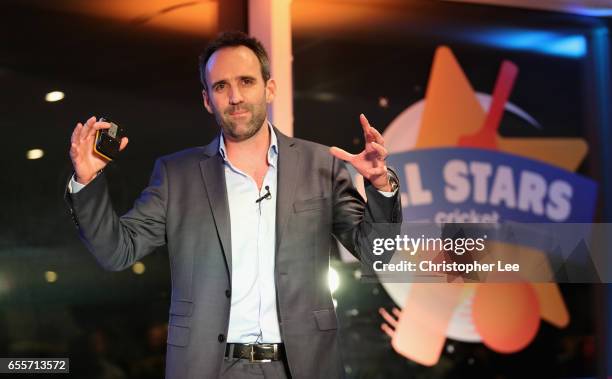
341	154
124	142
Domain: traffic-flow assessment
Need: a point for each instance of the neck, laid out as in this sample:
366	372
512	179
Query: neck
255	146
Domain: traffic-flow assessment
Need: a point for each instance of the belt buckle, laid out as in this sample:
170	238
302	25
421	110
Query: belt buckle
263	346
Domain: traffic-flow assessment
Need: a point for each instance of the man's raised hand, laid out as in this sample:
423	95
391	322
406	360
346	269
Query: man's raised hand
85	161
371	161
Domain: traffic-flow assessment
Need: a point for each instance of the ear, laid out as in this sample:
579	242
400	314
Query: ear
206	101
270	90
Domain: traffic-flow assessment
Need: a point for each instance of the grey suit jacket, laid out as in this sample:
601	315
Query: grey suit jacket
185	206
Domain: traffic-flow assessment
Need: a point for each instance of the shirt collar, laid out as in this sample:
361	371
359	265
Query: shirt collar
272	150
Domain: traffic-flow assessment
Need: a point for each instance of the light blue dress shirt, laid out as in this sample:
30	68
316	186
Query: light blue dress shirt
253	316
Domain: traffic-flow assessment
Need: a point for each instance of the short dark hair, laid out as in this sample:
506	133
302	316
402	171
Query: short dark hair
234	39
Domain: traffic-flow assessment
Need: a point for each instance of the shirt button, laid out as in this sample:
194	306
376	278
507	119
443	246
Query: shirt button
228	293
221	338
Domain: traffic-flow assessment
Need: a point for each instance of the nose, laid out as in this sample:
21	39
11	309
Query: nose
235	97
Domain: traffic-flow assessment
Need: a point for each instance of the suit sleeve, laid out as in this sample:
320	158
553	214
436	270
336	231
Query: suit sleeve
356	222
118	242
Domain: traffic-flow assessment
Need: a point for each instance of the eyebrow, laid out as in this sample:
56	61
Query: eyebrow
247	77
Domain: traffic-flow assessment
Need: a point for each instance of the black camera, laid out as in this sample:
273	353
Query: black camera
108	141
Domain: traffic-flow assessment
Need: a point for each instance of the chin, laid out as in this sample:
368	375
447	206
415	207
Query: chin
241	134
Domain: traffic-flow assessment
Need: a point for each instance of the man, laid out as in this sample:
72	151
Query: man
247	220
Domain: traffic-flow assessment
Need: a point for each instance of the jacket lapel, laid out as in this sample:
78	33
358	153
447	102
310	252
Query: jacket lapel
213	175
288	174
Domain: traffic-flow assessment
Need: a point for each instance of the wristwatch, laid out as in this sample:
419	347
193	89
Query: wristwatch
393	182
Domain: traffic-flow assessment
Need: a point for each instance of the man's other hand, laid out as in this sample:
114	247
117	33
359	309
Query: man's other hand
371	161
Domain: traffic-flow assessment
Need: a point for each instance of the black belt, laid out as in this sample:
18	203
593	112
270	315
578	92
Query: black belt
256	352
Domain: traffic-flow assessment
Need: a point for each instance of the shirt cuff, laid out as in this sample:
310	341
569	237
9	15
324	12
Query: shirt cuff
74	186
387	194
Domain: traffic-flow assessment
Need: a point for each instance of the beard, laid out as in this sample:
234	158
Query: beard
233	128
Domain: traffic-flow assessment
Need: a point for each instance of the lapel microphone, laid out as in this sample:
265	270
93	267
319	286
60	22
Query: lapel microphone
266	196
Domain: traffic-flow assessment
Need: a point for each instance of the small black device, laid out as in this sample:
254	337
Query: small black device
108	141
266	196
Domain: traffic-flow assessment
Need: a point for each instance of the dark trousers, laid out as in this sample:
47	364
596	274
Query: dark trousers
236	368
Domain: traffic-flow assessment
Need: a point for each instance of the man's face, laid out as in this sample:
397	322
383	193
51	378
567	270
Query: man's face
236	93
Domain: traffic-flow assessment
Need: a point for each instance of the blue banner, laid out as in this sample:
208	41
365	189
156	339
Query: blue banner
474	185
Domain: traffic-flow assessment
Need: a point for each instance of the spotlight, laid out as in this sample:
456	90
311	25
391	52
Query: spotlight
50	276
383	102
138	268
35	154
333	280
54	96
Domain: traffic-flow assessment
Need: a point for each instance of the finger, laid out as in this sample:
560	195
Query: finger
88	124
341	154
124	142
365	125
76	133
73	150
382	152
377	136
396	312
97	126
388	330
388	318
